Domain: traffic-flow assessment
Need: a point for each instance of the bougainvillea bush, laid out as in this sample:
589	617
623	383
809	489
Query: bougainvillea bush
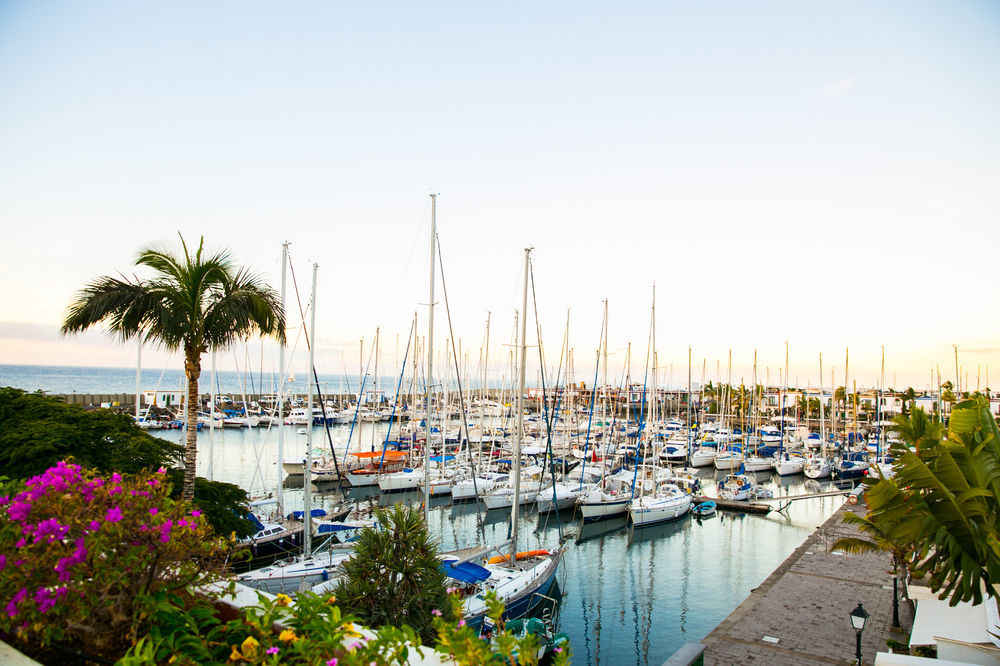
81	554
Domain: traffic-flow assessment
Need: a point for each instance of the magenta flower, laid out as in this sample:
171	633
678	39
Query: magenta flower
94	526
114	515
3	562
461	623
436	613
115	490
331	662
161	471
154	511
11	607
44	599
116	477
196	513
270	650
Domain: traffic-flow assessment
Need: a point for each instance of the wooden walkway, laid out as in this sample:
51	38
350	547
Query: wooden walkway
799	614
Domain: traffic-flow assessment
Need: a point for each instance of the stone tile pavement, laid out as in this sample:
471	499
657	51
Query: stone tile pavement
805	604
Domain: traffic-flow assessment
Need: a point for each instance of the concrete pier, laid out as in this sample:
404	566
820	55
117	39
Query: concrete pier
799	614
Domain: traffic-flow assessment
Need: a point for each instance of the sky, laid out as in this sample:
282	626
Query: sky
821	174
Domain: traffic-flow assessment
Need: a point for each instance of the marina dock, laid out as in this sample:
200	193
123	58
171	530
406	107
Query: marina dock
799	614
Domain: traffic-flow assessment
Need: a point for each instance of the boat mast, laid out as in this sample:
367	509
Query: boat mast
689	400
306	494
822	421
430	364
515	505
847	360
878	406
781	400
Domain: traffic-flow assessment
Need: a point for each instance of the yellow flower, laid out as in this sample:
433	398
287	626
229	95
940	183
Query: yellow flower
332	600
235	655
287	636
283	600
350	631
249	647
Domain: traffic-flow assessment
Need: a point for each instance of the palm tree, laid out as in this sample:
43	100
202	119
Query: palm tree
943	504
878	543
194	302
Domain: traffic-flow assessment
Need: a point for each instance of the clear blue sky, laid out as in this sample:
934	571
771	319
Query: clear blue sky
824	174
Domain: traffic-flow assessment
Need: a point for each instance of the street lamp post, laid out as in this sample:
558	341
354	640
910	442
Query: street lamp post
859	617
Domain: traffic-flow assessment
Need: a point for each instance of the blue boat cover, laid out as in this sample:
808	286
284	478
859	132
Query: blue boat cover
327	528
438	459
315	513
467	572
257	525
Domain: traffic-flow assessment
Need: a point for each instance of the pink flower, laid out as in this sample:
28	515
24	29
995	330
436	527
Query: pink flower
154	511
436	613
450	590
182	523
94	526
461	623
114	515
116	478
331	662
115	490
21	543
161	471
270	650
196	513
558	649
3	562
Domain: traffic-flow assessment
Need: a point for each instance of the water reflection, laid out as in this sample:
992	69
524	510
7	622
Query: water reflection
628	596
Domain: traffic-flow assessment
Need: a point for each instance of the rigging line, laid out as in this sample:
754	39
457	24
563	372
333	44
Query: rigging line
395	400
357	407
548	417
461	396
593	398
642	415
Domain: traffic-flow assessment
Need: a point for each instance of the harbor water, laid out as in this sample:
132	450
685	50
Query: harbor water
627	595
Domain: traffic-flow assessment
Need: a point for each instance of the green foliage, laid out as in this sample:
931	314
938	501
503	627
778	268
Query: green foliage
310	630
395	575
942	503
37	430
78	551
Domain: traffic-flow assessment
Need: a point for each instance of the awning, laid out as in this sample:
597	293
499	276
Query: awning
467	572
438	459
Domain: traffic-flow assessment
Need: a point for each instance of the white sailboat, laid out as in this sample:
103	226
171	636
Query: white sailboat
520	579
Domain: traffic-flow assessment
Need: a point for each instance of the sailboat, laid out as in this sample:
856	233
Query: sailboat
662	501
519	578
302	572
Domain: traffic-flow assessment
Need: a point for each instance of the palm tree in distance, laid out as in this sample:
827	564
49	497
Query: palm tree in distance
194	302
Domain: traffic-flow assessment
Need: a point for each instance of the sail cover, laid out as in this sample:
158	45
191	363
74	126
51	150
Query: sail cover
467	572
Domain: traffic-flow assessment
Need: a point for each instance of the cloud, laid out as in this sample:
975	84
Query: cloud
838	88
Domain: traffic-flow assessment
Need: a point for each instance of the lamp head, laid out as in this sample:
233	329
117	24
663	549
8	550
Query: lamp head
859	617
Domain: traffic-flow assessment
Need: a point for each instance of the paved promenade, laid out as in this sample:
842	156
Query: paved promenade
805	604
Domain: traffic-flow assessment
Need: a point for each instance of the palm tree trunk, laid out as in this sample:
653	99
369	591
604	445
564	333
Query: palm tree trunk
192	368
